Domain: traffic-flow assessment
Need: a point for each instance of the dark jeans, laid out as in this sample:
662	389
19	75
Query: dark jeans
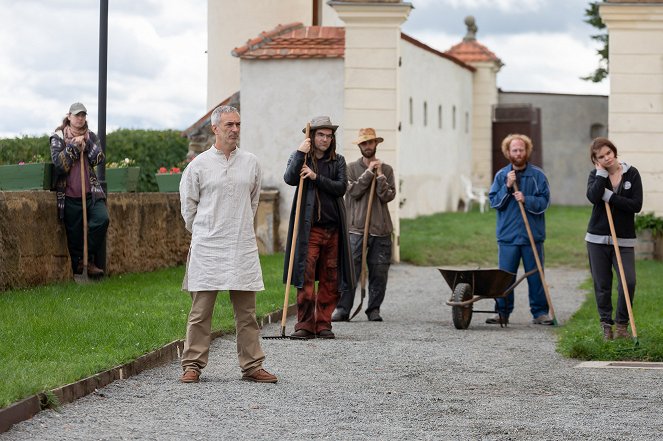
97	223
509	257
378	259
314	310
602	259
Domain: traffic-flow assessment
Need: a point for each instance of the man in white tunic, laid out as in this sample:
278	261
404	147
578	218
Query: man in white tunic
219	193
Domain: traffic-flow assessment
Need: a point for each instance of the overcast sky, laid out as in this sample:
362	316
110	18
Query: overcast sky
157	67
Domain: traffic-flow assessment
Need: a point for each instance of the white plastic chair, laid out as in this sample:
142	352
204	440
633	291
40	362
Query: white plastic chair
473	194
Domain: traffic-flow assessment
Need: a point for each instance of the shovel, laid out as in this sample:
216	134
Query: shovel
364	245
293	244
83	277
622	275
551	310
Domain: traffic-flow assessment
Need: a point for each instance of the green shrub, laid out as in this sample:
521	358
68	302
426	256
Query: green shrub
649	221
150	149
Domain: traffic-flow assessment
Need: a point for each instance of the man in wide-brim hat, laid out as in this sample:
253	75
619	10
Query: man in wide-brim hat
378	253
322	249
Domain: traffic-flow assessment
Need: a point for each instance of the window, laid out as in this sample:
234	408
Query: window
467	122
597	130
411	118
453	117
425	113
439	117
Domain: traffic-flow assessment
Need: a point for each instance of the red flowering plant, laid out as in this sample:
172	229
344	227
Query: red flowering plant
177	168
36	159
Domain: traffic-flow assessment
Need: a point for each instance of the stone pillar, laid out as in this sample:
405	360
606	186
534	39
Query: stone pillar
484	97
371	98
635	117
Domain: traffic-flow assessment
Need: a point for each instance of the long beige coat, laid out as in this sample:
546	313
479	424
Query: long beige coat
219	198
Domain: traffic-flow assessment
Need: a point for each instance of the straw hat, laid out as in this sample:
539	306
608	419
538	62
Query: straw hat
367	135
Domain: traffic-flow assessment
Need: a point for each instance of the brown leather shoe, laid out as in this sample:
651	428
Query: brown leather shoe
190	376
607	331
326	333
621	330
302	334
93	270
260	376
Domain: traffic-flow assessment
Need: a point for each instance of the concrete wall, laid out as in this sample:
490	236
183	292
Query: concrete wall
231	23
146	233
485	96
275	109
566	133
432	158
636	91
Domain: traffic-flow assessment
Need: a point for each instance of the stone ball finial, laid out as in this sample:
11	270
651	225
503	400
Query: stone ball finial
471	29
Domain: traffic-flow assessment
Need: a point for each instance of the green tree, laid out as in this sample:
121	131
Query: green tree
594	19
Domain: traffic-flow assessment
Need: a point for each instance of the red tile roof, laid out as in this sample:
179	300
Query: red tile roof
436	52
294	40
470	51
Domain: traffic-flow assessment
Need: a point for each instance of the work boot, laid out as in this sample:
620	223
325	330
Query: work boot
607	331
260	376
339	316
302	334
543	319
92	269
621	330
374	316
497	319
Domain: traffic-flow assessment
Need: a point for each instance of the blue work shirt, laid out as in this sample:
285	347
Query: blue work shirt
532	182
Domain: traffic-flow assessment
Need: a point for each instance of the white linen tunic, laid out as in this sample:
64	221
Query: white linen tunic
219	198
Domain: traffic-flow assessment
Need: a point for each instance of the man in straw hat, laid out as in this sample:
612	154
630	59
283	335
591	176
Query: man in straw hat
378	254
322	249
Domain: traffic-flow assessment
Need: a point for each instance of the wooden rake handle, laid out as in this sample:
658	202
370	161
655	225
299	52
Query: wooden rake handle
551	310
84	203
622	275
293	244
367	224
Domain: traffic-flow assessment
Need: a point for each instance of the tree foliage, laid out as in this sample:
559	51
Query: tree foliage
150	149
594	19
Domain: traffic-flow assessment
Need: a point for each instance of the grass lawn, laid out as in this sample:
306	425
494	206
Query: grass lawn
57	334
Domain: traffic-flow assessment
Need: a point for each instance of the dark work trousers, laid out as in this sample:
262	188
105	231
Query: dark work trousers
314	311
602	259
378	259
97	223
508	259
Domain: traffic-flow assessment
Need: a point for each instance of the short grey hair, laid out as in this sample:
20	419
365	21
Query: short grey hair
216	114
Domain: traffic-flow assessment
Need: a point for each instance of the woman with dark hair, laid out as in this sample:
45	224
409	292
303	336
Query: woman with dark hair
70	140
619	184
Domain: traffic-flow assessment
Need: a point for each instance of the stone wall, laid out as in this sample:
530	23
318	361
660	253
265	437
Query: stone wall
146	233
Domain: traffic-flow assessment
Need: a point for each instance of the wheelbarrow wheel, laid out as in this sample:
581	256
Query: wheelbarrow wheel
462	315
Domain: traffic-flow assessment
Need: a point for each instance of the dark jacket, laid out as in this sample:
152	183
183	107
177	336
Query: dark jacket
510	225
63	156
624	204
335	186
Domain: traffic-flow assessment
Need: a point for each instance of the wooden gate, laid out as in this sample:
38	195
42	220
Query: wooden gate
516	118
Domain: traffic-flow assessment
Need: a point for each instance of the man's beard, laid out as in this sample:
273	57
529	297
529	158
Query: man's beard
367	153
518	162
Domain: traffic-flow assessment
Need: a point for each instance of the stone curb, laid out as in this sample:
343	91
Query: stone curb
29	407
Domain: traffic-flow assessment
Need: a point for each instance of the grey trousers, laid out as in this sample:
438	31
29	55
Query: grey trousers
602	260
378	259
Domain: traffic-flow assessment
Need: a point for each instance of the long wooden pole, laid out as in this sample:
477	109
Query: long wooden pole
551	310
364	246
622	274
293	244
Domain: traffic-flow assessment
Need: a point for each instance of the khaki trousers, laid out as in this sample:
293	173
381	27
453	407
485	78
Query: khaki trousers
199	329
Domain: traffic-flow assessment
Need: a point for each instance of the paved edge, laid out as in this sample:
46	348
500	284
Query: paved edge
28	407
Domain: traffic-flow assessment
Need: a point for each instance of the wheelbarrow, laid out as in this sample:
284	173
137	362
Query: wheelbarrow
471	285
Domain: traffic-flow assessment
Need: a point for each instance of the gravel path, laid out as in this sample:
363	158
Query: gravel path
413	376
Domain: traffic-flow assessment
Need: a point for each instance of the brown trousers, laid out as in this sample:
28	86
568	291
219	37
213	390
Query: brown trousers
199	329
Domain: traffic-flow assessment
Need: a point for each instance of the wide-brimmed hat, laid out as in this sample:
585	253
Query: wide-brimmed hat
366	135
321	122
77	108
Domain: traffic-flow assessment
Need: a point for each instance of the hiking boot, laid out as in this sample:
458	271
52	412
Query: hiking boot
326	333
260	376
374	316
621	330
543	319
607	331
92	269
190	376
497	319
339	316
302	334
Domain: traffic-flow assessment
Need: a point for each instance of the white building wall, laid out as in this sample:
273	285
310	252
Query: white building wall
231	23
432	158
275	109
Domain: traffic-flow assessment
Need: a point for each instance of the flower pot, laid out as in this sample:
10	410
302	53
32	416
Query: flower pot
168	182
122	179
18	177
